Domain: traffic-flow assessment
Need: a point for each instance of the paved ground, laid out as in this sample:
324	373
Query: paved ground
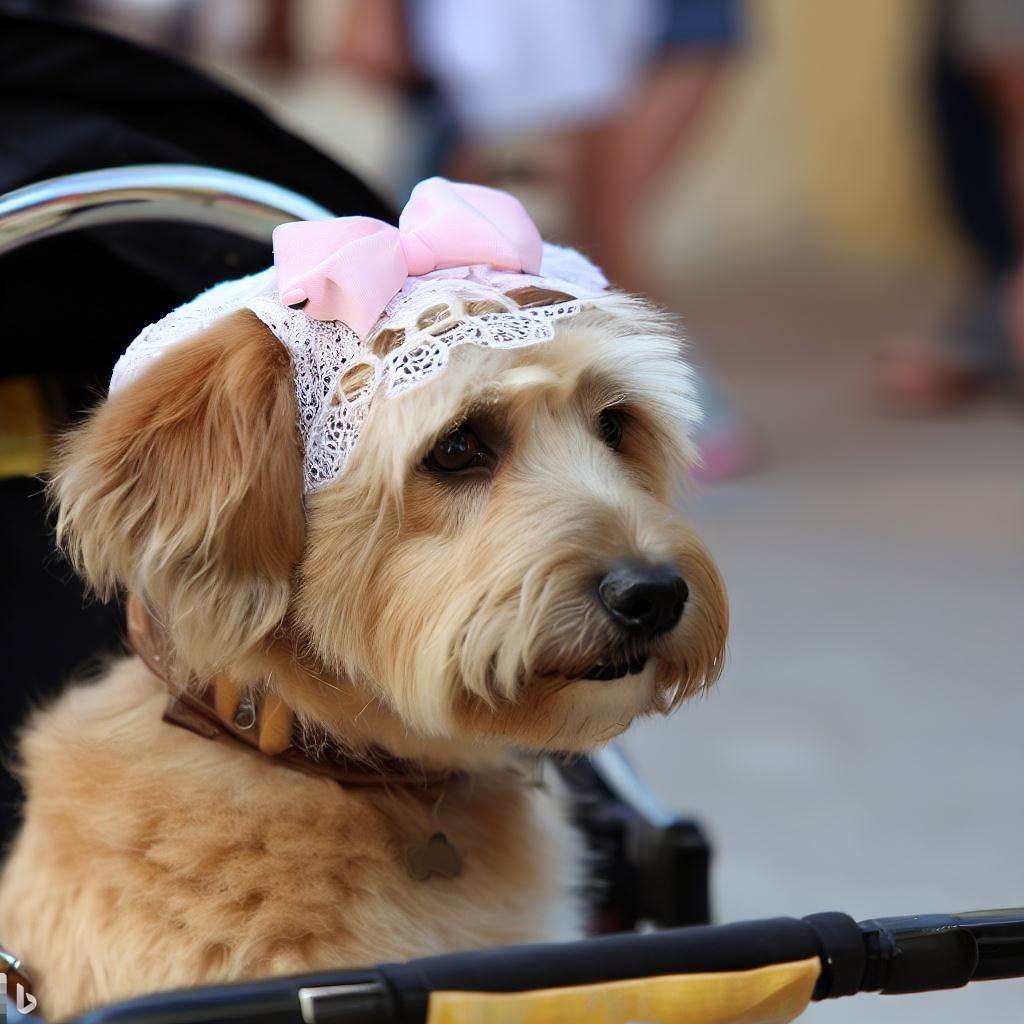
863	750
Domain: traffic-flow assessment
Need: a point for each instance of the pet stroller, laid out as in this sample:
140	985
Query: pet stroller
88	164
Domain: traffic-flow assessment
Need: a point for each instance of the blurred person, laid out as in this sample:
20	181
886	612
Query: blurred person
616	89
978	92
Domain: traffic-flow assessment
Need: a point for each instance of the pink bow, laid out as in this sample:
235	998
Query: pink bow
349	269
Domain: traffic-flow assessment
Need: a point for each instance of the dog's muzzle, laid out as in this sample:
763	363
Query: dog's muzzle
644	601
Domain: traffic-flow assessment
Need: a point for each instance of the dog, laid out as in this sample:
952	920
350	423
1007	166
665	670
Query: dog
501	571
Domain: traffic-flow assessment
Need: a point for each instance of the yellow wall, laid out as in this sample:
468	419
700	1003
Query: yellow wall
818	147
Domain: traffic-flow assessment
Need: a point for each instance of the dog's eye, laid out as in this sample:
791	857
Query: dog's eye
610	426
458	450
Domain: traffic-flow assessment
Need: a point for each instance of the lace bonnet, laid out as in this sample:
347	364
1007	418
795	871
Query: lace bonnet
465	266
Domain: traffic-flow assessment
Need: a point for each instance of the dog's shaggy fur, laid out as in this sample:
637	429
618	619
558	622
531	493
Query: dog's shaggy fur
444	619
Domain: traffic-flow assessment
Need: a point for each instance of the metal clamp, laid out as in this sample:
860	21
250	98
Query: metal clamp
327	1004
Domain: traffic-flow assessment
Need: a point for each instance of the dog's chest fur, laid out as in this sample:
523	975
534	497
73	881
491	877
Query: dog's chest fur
151	858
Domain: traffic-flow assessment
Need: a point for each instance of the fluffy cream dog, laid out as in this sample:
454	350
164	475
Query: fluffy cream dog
501	571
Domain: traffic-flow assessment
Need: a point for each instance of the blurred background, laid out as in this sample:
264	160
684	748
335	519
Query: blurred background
831	196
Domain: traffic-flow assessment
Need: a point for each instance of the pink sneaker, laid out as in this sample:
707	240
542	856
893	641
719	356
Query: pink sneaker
726	452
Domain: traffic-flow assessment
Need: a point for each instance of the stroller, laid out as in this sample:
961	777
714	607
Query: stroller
209	175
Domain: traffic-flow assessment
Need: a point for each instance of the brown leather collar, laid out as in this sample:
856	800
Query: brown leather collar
222	710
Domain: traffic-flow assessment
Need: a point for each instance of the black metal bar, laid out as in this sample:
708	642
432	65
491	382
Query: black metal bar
400	992
647	864
925	953
889	955
1000	938
731	947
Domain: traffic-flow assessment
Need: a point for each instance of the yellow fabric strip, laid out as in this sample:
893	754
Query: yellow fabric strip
765	995
23	444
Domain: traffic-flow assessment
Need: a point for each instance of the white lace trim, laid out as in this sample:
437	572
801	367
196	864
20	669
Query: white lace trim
337	375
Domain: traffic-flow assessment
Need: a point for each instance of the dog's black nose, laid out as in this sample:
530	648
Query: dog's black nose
646	600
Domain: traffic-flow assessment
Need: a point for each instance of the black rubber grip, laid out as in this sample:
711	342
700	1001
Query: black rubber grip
731	947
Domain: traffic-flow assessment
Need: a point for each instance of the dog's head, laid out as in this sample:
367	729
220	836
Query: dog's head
503	558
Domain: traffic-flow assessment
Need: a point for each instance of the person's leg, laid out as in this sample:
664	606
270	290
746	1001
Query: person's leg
1003	80
951	355
615	166
274	46
979	91
619	161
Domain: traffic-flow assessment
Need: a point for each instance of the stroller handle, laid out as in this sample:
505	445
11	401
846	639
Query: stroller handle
234	202
889	955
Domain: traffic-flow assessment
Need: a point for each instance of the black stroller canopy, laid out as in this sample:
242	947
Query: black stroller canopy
73	98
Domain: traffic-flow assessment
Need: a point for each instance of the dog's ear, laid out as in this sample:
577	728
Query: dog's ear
186	487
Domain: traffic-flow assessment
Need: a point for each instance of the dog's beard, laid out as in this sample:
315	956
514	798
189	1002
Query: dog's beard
497	634
525	651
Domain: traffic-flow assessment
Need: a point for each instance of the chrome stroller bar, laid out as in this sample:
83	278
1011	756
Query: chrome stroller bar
621	778
236	203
